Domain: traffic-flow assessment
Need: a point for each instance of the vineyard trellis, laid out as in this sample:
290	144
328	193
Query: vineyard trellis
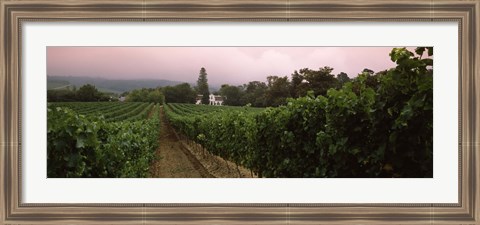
101	139
371	127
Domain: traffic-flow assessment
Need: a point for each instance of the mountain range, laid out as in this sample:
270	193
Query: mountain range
107	85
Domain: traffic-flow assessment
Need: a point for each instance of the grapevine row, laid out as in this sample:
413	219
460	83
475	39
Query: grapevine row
89	146
111	111
360	130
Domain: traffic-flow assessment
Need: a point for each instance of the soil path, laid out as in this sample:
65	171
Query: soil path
173	160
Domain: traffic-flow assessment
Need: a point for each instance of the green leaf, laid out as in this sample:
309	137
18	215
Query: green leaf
80	142
420	50
430	51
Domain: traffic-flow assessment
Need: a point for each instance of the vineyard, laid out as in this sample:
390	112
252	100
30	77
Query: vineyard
372	126
101	139
111	111
379	127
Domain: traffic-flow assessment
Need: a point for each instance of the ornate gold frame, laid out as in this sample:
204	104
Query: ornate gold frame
14	12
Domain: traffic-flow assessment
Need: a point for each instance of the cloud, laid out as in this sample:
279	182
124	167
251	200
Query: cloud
233	65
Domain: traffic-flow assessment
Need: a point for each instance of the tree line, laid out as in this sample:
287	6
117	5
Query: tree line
277	89
274	92
86	93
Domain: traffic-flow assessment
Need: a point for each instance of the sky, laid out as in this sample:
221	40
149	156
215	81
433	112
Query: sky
224	65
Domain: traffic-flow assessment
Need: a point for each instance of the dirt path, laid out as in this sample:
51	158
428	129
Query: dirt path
174	161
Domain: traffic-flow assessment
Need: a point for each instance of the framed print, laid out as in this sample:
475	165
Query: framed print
239	112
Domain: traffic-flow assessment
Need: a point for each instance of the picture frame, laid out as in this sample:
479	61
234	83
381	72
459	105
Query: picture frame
14	13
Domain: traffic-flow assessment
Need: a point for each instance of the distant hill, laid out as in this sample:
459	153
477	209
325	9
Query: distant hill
57	84
106	85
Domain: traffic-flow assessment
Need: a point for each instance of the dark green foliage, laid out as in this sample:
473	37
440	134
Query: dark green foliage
153	95
63	95
181	93
88	146
108	85
202	86
368	71
374	126
232	95
342	79
407	97
255	94
299	86
318	81
110	111
278	91
86	93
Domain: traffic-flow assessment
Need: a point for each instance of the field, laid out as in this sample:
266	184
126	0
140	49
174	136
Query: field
123	139
101	139
111	111
313	125
335	136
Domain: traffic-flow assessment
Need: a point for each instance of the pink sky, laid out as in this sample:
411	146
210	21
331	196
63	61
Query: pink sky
232	65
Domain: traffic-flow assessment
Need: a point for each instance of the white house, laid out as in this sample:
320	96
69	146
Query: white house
216	99
213	99
198	100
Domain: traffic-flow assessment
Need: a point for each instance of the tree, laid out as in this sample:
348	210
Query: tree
62	95
342	78
278	91
187	94
255	93
181	93
155	96
319	81
88	93
138	95
369	71
202	86
124	94
371	79
233	95
299	85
